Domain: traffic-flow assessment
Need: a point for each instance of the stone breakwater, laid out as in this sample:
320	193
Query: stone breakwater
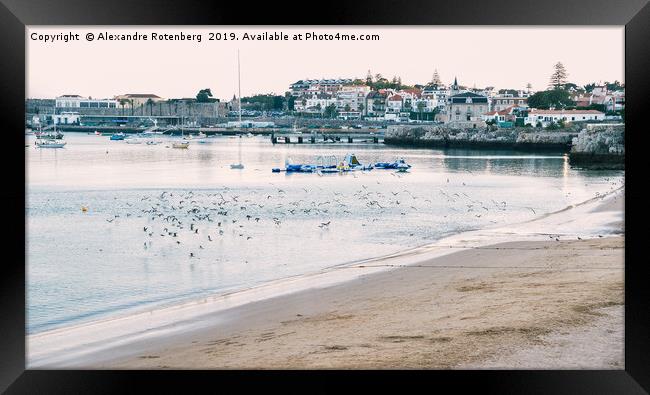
599	147
594	146
439	136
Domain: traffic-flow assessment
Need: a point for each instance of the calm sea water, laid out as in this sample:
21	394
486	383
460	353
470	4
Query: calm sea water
164	225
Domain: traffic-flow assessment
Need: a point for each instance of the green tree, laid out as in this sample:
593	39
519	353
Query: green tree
559	76
614	86
291	103
150	104
122	104
204	96
330	111
421	105
556	98
590	87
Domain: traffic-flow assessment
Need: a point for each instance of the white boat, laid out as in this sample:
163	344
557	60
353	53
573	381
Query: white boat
183	144
51	141
134	140
49	144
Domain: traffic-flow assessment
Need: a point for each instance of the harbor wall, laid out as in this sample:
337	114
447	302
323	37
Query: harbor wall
441	136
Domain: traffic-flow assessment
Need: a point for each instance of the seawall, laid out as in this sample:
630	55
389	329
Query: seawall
595	146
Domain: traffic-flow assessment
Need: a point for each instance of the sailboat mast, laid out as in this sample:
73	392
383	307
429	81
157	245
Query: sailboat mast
239	86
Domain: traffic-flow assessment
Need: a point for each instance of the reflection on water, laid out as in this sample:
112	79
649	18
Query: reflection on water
164	224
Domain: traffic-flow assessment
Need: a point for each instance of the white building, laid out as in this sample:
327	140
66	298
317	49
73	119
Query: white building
353	97
438	93
503	101
318	102
309	86
546	117
394	104
76	101
65	118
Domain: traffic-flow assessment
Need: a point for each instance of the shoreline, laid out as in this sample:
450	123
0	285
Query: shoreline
83	344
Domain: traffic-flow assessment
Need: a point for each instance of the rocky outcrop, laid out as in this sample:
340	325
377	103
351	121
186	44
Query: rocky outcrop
490	137
599	147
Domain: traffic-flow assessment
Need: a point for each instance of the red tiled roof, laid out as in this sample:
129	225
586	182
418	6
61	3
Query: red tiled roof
505	111
558	112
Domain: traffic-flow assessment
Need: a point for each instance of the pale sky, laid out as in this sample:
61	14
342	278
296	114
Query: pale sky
504	57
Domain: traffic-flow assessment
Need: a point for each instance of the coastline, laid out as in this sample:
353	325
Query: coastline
185	327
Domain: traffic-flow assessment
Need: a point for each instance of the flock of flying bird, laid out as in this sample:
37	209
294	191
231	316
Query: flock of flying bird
197	219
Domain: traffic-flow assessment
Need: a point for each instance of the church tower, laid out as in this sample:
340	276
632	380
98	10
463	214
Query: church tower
454	87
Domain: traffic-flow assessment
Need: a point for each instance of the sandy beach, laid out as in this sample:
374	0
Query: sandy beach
522	304
515	298
548	293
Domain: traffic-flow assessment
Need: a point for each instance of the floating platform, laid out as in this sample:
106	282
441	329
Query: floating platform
350	163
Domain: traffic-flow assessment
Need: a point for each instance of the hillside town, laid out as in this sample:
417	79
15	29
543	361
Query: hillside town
373	100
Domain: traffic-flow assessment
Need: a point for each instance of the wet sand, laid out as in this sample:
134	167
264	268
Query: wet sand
507	305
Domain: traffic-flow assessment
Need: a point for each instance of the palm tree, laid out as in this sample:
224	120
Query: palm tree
123	102
150	104
420	106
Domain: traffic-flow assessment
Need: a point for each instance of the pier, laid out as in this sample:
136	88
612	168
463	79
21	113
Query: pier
277	135
326	138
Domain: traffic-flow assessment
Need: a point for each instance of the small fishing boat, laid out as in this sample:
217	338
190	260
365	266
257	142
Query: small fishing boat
399	164
185	140
118	136
49	144
133	140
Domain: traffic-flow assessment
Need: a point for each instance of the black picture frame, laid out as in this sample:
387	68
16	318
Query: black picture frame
16	14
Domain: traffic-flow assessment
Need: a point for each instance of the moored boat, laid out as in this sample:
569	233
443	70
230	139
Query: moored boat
50	143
